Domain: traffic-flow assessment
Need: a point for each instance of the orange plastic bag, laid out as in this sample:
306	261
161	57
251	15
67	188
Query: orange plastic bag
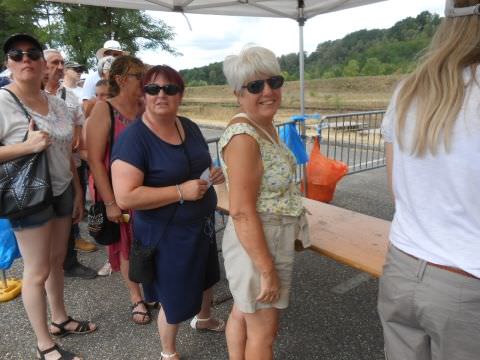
323	174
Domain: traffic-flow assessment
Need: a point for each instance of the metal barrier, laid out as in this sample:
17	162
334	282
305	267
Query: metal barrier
353	138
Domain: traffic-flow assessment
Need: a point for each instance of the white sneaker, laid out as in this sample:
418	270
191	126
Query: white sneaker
105	270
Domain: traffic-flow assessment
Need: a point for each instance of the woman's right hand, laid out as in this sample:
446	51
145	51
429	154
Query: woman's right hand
114	214
37	140
269	287
193	189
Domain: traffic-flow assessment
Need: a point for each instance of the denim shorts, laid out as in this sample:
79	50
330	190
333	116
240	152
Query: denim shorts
61	206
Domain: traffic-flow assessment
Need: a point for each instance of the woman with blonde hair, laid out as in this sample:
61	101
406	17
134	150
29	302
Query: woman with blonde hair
125	80
266	211
429	294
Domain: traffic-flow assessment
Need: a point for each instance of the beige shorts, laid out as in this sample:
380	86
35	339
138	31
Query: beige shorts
244	279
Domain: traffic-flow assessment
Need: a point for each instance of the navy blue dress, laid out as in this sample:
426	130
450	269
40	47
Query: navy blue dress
186	258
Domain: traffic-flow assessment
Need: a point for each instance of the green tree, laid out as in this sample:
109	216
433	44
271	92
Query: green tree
23	16
81	30
373	66
84	29
352	68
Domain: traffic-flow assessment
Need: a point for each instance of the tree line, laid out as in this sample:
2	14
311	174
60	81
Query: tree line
81	30
361	53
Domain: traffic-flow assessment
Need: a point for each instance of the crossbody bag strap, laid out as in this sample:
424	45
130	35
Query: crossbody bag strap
27	114
111	139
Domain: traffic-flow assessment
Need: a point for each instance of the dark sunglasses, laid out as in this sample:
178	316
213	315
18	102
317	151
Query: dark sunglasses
17	54
154	89
257	86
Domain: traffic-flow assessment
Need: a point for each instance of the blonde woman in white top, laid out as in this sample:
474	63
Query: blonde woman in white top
429	298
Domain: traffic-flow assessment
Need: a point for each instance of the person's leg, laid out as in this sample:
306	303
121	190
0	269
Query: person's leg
71	256
261	328
449	305
168	336
203	319
143	315
34	245
404	336
55	282
236	334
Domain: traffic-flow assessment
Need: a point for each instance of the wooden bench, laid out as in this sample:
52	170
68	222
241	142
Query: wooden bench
351	238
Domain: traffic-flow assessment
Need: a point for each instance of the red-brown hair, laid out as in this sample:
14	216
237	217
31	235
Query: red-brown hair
167	72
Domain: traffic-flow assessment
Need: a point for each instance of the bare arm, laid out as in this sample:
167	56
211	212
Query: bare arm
245	169
389	159
98	130
78	198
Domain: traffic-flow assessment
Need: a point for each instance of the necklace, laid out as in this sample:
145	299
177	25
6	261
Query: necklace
265	132
151	126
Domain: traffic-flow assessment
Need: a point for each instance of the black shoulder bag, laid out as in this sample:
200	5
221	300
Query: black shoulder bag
104	231
25	185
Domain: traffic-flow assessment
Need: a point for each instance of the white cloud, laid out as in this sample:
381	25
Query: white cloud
214	37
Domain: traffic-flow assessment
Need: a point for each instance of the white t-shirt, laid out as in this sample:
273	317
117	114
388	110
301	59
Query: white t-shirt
58	123
437	198
89	85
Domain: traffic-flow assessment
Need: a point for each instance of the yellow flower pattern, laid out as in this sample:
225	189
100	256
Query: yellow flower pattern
278	194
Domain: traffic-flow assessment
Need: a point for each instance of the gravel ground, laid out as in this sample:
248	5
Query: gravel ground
321	322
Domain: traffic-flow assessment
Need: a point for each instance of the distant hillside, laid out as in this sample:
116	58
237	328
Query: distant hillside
361	53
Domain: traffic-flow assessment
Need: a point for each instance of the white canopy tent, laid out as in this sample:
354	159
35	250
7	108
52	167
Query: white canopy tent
298	10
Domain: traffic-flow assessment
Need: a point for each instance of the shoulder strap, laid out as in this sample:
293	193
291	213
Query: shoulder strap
112	126
256	126
63	94
111	136
27	114
29	117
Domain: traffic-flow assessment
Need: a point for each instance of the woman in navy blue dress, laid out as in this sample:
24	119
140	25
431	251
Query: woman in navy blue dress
156	167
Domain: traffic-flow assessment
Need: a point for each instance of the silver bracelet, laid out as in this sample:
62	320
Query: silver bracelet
179	194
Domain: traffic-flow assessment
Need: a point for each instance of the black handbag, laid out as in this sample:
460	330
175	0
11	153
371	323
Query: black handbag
104	231
25	185
142	258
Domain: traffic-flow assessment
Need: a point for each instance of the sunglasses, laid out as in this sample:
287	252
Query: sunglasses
17	54
169	89
257	86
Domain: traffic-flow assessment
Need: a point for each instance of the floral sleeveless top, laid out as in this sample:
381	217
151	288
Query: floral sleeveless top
278	193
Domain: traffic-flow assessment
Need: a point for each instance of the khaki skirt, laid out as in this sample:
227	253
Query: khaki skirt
244	279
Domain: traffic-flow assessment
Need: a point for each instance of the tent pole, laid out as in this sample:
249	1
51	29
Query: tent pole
301	22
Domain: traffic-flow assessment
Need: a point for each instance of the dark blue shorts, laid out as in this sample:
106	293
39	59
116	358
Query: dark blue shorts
61	206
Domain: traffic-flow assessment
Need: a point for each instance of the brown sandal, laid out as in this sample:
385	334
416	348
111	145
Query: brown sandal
64	354
147	317
82	328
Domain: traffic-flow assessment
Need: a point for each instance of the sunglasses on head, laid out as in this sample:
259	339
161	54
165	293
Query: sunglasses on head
257	86
169	89
17	54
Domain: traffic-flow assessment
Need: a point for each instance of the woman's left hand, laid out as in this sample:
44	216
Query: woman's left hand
216	176
77	214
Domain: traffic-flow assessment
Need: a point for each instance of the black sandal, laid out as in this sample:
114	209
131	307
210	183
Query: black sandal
64	354
82	328
146	314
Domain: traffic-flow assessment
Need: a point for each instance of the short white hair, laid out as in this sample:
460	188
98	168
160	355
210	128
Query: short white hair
253	61
104	64
48	52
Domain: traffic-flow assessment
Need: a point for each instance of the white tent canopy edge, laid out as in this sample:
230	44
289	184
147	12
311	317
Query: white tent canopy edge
298	10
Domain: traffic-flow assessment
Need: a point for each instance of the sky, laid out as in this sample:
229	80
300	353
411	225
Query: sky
214	37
